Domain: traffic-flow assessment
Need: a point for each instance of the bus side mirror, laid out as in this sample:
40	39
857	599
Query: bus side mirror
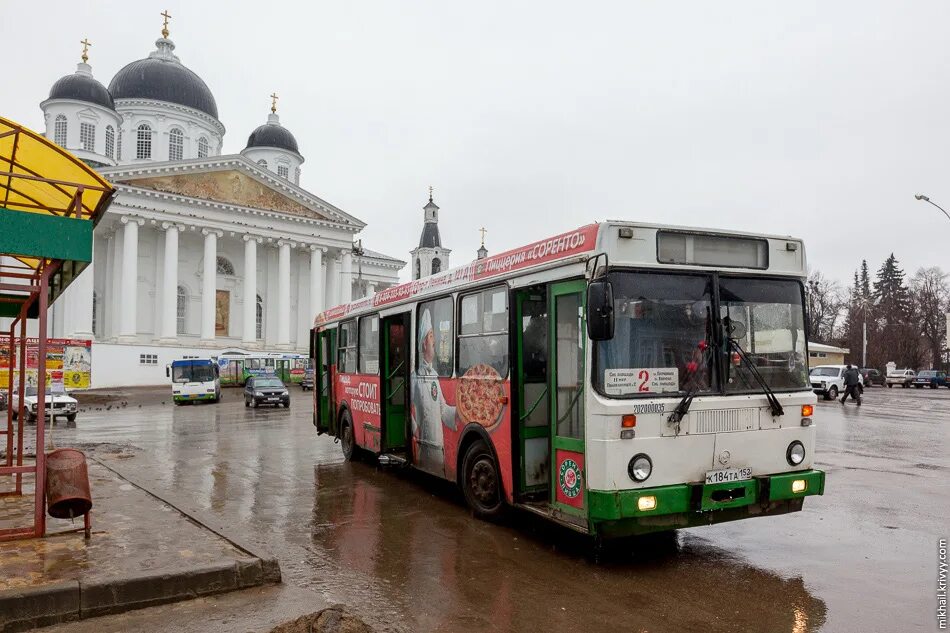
600	311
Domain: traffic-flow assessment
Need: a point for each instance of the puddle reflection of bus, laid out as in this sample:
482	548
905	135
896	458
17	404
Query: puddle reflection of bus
236	366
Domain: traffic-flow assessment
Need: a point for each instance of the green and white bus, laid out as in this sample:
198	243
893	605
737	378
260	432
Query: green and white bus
236	366
618	379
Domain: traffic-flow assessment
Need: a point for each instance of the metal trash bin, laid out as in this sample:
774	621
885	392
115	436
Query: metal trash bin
67	484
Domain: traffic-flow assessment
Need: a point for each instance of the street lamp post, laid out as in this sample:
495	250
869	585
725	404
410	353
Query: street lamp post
921	196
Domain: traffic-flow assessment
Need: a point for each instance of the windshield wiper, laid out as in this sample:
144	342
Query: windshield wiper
774	404
682	408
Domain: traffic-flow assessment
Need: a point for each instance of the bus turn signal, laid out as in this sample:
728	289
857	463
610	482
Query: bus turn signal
807	410
628	421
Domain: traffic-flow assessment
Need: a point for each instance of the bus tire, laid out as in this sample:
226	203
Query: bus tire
481	481
348	438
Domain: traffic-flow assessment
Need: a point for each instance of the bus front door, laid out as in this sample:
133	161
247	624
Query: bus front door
567	340
531	373
395	382
323	383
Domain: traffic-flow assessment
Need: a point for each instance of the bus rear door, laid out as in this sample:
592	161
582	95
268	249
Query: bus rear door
323	382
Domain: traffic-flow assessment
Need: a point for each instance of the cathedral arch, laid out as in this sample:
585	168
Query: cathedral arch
143	142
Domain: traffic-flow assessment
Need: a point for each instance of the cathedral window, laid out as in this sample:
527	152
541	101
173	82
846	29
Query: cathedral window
225	267
87	136
262	163
181	311
436	265
176	145
283	171
118	146
110	141
259	315
202	147
418	269
143	142
95	313
59	131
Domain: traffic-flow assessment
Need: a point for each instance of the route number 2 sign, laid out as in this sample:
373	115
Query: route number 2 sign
641	380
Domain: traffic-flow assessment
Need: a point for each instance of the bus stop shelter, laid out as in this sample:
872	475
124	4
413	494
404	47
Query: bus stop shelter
50	202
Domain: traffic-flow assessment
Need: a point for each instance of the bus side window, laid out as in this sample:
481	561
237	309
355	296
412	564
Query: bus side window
346	348
483	331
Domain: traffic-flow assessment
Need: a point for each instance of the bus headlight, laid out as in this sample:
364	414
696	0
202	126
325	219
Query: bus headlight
640	467
795	453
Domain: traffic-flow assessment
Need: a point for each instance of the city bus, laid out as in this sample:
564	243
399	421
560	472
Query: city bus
236	366
194	380
618	379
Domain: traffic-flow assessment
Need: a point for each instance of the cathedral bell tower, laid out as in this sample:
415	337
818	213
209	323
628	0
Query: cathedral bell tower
429	257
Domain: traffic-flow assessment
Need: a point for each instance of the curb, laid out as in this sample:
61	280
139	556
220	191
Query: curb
28	608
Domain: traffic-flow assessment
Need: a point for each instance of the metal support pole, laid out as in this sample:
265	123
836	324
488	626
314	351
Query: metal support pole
864	341
11	364
21	408
40	492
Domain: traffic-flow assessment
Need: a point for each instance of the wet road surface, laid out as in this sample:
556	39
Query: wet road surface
401	549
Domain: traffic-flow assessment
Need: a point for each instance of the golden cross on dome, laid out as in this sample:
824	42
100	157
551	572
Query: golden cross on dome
85	49
483	231
273	103
168	16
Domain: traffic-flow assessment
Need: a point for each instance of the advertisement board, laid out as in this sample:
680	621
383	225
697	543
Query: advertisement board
68	361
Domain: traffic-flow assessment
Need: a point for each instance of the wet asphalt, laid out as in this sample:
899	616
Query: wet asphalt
402	550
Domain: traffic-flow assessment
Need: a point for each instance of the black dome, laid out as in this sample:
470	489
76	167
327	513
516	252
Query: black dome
271	135
82	87
163	80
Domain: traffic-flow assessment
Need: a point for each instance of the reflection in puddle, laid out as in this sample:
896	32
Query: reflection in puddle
401	543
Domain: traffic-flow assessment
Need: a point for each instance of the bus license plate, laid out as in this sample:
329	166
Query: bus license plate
728	474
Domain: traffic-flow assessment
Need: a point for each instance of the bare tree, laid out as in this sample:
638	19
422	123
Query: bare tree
824	301
930	293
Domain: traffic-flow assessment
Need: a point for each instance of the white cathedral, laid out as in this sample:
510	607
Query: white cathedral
201	251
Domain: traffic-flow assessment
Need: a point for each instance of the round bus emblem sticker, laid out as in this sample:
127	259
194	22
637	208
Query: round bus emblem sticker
570	478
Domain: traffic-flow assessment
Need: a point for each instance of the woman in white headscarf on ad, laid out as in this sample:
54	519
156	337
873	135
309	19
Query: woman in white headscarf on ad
429	408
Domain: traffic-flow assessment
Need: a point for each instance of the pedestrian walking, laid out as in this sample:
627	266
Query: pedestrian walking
852	378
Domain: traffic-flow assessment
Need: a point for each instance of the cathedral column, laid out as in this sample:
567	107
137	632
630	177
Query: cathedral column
128	299
208	283
283	293
169	316
316	283
78	317
370	288
346	274
333	282
250	289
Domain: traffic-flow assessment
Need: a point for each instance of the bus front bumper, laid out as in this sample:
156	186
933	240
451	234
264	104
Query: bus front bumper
192	397
629	512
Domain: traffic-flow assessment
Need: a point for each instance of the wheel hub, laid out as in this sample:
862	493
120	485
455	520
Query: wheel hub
484	484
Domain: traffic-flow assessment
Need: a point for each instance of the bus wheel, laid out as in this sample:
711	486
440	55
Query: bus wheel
347	439
481	483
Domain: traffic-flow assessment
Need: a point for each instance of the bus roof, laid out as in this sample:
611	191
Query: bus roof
183	362
577	245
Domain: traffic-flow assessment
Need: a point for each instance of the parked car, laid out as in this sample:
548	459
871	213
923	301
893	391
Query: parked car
58	404
931	378
872	377
902	377
306	383
260	390
828	380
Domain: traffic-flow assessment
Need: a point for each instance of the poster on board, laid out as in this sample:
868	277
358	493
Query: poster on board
68	362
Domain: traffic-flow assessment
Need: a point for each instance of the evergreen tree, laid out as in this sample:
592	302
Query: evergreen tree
898	339
865	280
890	293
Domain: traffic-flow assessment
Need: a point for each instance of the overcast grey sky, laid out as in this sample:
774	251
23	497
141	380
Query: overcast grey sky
815	119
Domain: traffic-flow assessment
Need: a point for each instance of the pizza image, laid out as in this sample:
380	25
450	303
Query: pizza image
481	396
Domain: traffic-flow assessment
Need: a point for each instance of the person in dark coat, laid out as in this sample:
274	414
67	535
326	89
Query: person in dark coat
852	378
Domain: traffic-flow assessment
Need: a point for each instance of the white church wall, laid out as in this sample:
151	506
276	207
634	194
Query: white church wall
162	118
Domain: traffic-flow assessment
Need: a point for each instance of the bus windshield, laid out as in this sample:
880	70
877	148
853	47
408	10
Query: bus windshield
192	372
664	320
